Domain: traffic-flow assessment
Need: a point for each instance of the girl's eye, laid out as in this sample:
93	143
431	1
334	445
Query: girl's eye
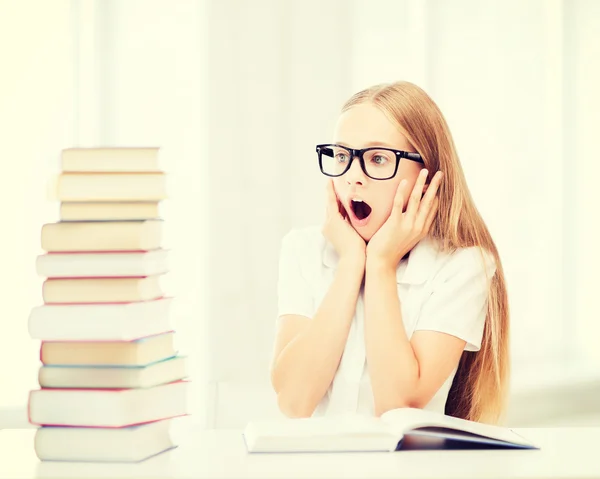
341	157
379	159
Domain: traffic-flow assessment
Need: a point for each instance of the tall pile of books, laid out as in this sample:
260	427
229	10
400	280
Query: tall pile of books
111	379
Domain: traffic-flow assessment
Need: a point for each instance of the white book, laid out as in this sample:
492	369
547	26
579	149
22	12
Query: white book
107	407
113	377
87	187
102	264
100	322
109	210
371	434
93	444
94	160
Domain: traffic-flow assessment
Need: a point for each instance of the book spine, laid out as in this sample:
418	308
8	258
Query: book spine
114	390
123	251
161	298
140	339
104	302
111	427
54	278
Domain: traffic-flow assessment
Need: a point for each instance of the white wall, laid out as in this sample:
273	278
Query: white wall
237	93
508	98
582	111
151	90
502	98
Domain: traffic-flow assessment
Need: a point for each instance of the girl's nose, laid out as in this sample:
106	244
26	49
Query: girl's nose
355	175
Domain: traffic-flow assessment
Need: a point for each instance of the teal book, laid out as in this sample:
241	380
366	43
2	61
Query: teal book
113	377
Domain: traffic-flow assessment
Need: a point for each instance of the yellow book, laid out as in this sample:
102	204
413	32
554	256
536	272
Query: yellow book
109	210
110	160
91	187
138	352
101	290
102	236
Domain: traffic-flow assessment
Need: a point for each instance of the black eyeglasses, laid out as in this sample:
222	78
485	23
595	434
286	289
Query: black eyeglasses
376	162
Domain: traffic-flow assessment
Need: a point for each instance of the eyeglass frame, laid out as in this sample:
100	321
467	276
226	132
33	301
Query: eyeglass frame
359	152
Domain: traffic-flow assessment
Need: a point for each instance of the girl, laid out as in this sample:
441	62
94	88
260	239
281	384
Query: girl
399	300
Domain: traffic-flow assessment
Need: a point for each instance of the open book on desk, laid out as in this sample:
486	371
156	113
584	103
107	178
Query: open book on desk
371	434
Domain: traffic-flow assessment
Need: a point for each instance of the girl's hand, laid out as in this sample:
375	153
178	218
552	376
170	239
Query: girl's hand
402	231
338	230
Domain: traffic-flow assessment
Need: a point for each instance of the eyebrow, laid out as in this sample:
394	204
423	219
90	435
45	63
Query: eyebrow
372	143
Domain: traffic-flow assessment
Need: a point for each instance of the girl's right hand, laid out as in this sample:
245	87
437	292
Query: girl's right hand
338	230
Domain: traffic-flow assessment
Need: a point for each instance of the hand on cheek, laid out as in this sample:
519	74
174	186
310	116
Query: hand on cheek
407	198
408	223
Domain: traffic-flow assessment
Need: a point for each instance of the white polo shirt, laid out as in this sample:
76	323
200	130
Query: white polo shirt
437	291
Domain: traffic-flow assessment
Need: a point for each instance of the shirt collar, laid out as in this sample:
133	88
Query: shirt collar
416	269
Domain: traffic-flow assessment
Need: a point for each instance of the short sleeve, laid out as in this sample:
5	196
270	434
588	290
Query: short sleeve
459	300
293	291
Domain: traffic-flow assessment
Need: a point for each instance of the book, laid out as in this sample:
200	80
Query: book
107	407
101	290
371	434
91	444
109	210
95	236
137	352
129	159
113	377
88	187
102	264
99	322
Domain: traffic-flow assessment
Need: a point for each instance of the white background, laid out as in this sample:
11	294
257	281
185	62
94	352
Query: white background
237	93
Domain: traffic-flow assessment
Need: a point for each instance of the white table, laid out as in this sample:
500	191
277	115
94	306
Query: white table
565	453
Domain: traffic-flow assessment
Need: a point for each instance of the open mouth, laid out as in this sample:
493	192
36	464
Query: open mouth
361	209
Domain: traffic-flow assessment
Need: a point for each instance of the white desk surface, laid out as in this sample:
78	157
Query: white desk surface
565	453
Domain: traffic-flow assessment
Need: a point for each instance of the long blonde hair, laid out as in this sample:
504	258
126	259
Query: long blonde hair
479	390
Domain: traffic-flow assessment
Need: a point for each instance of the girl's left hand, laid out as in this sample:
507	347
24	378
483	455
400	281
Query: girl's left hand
403	230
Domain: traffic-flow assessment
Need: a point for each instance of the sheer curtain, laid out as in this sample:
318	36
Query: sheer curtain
36	119
149	84
237	93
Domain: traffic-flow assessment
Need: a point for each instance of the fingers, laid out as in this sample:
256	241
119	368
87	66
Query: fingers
430	195
431	215
428	205
417	193
399	198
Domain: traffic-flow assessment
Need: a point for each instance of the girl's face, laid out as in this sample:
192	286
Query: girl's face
364	125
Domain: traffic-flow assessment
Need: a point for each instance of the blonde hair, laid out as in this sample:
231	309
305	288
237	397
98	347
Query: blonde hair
479	390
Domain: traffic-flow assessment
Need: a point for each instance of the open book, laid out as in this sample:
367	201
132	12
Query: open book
364	434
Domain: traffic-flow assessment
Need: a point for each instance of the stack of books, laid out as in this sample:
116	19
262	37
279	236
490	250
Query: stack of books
111	379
